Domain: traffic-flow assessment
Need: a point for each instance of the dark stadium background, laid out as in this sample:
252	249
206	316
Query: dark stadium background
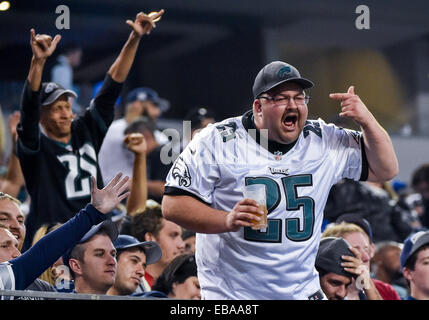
207	53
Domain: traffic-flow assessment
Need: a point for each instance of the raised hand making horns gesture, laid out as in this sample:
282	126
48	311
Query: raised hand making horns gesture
42	45
144	23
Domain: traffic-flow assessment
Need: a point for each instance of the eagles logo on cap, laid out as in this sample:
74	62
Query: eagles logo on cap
284	72
51	91
50	87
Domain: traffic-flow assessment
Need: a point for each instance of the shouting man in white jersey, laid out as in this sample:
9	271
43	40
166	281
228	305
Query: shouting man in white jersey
298	160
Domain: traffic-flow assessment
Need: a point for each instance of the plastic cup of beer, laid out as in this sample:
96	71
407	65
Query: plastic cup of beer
257	193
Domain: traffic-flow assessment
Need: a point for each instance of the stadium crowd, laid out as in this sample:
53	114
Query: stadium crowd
82	199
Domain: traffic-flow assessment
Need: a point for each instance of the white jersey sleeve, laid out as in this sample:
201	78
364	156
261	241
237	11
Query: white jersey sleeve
347	151
7	279
195	172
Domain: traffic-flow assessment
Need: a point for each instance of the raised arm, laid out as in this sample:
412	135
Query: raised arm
42	46
28	129
143	24
47	250
383	164
136	202
102	109
194	215
14	178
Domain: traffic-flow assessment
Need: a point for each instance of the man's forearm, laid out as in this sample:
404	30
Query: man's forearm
14	177
155	187
380	153
138	196
193	215
35	74
122	65
28	126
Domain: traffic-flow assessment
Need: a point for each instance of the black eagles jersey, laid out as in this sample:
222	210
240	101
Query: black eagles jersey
57	175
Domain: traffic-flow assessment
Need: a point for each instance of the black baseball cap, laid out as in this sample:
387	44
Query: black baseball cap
413	243
107	226
51	91
328	257
151	249
275	73
148	94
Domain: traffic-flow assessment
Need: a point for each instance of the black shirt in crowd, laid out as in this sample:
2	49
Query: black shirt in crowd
57	175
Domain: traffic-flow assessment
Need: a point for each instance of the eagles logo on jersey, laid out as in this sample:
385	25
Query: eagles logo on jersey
180	171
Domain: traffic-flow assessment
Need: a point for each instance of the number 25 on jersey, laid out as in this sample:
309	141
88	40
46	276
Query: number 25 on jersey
293	231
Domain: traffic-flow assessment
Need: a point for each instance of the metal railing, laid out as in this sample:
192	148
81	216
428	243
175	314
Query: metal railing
68	296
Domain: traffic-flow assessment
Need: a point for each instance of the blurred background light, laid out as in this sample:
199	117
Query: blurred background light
4	5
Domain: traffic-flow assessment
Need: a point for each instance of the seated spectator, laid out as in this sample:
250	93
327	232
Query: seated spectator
189	237
199	118
140	102
21	270
415	201
179	280
387	266
92	261
152	107
14	179
156	170
132	257
390	221
12	217
386	291
8	251
359	239
150	225
415	265
420	183
338	264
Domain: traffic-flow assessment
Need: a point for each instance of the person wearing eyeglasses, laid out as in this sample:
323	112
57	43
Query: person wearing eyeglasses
297	160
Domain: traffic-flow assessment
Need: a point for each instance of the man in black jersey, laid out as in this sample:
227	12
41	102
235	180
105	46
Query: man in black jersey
59	158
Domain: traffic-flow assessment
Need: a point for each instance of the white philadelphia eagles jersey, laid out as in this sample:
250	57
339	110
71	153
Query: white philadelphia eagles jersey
7	279
276	262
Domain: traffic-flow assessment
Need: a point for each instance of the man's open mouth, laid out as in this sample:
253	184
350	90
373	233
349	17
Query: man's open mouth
290	121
